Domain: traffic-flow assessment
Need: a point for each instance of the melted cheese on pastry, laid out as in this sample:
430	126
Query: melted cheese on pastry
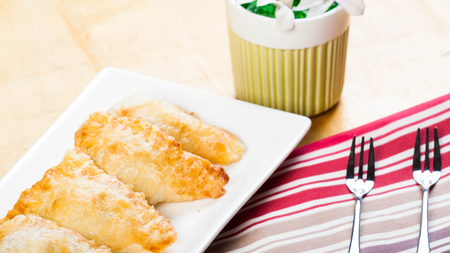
195	136
79	196
140	154
32	234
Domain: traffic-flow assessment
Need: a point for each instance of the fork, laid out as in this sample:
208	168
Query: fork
359	188
426	179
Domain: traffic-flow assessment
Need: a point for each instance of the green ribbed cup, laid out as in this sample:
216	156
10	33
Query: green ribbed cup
305	81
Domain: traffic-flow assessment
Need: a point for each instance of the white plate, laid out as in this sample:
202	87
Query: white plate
268	135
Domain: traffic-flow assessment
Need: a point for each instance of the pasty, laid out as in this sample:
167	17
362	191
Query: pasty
140	154
32	234
79	196
195	136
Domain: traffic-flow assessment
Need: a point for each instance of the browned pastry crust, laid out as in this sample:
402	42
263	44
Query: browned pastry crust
32	234
142	155
197	137
79	196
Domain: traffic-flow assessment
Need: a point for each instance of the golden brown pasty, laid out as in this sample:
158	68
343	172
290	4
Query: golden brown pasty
79	196
32	234
195	136
140	154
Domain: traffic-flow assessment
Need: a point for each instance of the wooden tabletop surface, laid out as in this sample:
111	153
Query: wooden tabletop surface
398	57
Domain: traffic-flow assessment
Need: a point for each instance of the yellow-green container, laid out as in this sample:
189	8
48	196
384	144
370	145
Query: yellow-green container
300	71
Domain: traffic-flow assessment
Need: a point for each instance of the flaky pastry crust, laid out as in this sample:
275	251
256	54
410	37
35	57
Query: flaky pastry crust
32	234
195	136
79	196
142	155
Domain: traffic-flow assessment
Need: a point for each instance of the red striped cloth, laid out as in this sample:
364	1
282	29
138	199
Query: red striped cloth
305	205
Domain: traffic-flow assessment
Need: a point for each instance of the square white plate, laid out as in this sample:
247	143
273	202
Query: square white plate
268	135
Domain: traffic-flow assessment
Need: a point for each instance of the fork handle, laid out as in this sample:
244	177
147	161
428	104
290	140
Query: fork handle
354	242
424	241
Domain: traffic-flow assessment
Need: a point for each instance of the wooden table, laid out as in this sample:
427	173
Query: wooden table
398	57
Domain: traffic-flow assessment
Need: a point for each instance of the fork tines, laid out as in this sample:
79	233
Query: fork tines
437	152
426	179
359	188
370	165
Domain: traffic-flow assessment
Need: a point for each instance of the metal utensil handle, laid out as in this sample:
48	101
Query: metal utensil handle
354	242
424	241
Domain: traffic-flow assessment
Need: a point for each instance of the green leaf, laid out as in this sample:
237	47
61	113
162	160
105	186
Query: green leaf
266	10
333	5
269	10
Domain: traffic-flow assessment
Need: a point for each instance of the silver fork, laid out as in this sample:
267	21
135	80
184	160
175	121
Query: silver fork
359	188
426	179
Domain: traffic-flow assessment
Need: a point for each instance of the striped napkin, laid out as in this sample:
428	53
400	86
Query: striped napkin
306	207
